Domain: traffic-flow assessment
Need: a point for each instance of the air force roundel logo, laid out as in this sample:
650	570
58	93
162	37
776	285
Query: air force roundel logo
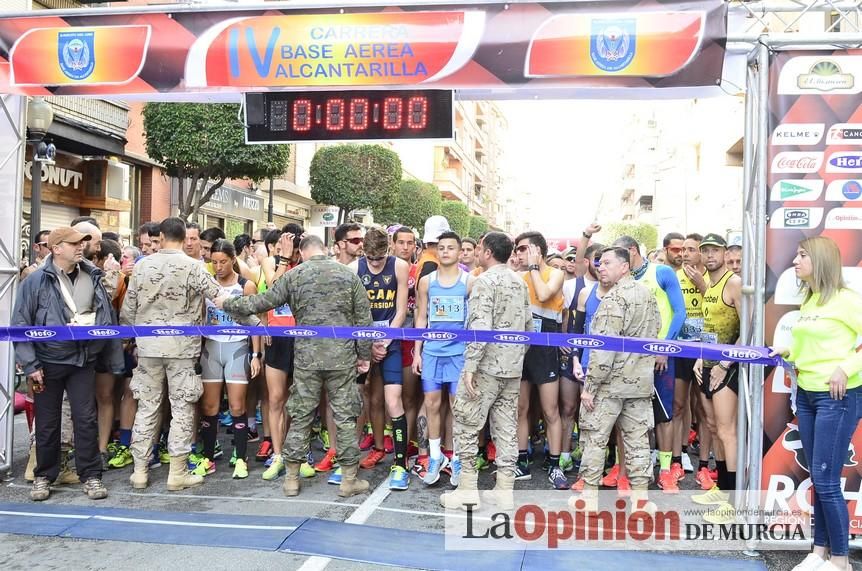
76	54
612	43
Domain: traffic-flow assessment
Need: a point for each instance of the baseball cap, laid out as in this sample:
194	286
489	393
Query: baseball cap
569	252
713	240
434	227
65	234
552	255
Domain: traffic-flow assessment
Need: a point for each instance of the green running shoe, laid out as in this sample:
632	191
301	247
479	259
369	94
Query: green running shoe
276	468
122	457
240	470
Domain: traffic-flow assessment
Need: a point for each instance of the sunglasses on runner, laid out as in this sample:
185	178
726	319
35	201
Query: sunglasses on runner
375	258
354	241
571	259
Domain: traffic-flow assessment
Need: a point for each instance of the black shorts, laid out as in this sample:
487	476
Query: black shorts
685	369
731	381
541	363
279	355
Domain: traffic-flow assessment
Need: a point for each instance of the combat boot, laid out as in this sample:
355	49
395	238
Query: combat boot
587	501
140	478
67	475
29	474
291	479
350	484
641	503
466	493
179	477
502	495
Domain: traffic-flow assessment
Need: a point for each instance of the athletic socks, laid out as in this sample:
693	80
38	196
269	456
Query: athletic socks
554	460
664	460
676	460
399	436
126	437
209	432
703	464
434	448
240	436
721	467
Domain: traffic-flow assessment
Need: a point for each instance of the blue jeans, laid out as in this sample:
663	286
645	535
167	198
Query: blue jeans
826	426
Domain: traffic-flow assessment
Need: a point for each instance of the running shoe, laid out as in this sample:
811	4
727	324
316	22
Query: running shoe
204	468
155	460
324	440
578	487
613	475
328	462
435	466
692	436
335	477
240	470
275	469
232	461
420	466
164	455
667	481
388	444
112	447
455	471
566	464
704	479
367	442
491	451
41	489
624	487
522	472
482	463
412	449
374	457
714	474
225	419
398	478
677	471
558	479
264	451
218	451
724	514
447	469
122	457
253	435
306	470
713	497
687	466
95	489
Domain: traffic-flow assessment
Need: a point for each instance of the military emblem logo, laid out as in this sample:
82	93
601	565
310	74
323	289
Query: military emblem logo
612	43
76	54
387	279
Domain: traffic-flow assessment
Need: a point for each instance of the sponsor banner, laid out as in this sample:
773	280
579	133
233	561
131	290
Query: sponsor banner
797	162
798	134
843	190
800	190
539	520
630	43
326	216
756	355
845	134
847	161
826	88
796	218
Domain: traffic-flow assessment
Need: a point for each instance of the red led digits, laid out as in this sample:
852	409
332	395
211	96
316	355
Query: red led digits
392	111
334	114
358	114
417	112
302	115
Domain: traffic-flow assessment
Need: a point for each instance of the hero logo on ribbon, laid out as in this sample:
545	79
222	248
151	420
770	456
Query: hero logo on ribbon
76	54
797	162
368	334
103	332
438	336
662	348
798	134
167	332
613	43
587	342
299	332
845	162
742	354
797	189
511	338
233	331
40	334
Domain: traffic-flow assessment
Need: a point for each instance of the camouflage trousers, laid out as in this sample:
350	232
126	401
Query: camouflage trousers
497	401
184	389
634	419
303	401
67	431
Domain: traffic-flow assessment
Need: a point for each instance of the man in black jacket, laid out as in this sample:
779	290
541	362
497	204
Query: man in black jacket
65	290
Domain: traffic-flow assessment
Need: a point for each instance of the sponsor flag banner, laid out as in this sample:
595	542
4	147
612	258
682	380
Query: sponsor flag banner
630	43
815	179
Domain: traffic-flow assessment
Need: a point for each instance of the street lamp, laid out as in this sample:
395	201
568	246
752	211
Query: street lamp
40	115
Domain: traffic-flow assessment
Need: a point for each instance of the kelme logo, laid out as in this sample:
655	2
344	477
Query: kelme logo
40	334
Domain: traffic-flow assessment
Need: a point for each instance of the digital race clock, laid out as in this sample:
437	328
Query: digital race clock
348	116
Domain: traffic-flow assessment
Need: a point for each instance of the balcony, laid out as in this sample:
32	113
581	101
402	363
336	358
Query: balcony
111	117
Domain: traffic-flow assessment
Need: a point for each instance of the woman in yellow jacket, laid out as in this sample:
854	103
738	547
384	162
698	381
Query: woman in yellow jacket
824	352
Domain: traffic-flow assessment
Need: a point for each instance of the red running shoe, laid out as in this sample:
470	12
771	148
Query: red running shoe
388	444
677	471
328	462
610	481
374	457
264	451
367	442
578	487
667	482
491	451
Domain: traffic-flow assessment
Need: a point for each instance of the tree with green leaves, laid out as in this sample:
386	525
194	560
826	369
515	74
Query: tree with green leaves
644	233
203	145
415	202
355	176
458	215
478	226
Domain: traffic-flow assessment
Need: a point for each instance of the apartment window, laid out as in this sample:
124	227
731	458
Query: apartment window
834	22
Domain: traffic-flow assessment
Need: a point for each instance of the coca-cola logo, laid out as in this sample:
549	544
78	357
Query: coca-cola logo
797	163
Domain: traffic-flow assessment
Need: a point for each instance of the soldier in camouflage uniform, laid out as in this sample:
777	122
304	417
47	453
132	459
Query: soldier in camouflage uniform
491	379
320	291
619	385
167	288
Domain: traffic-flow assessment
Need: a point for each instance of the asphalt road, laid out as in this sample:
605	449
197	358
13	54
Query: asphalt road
414	509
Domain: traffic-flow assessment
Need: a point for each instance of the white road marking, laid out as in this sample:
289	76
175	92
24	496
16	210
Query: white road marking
37	514
193	523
